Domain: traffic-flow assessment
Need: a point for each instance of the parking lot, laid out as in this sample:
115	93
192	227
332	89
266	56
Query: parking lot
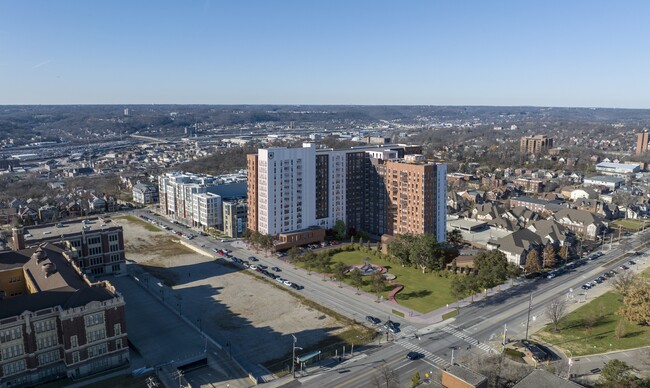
232	304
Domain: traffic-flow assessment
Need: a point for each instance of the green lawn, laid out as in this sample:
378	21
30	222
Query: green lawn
422	292
142	223
574	337
629	224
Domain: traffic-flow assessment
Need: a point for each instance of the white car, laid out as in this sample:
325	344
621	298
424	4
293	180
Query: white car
287	283
253	267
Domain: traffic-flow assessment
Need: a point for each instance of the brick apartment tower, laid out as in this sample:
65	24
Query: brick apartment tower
642	140
251	223
535	144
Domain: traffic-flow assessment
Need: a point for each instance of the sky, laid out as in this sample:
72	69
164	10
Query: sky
580	53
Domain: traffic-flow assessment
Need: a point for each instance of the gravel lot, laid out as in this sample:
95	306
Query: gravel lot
255	316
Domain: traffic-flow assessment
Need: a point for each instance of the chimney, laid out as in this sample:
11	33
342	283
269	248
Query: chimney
18	238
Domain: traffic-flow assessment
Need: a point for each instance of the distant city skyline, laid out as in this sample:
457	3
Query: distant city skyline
552	53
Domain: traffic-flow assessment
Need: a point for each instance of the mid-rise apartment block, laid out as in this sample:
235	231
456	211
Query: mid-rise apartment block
55	322
535	144
234	217
385	189
195	200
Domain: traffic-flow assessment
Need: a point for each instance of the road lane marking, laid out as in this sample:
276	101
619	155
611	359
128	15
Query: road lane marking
466	338
371	370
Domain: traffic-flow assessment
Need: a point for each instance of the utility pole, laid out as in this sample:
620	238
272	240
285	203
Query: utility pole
505	334
530	307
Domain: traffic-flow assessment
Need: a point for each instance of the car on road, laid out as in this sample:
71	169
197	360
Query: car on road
631	262
276	269
253	267
586	286
373	320
262	266
296	286
624	267
287	283
414	355
253	258
391	326
280	280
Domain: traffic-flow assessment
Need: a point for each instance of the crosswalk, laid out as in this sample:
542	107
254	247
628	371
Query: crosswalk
427	354
472	341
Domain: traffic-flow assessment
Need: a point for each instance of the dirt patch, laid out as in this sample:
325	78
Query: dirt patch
255	316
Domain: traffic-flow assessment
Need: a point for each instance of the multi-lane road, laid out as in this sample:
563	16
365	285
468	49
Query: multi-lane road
478	328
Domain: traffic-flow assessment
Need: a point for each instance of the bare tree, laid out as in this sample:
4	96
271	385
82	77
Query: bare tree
623	282
388	377
555	311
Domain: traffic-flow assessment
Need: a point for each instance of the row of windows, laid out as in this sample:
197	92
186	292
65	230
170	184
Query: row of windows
14	367
94	319
12	351
95	335
95	251
11	334
94	241
97	350
14	279
45	325
46	358
47	341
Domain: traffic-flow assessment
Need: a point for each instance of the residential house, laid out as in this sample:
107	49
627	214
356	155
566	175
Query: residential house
145	193
487	211
521	215
586	192
581	222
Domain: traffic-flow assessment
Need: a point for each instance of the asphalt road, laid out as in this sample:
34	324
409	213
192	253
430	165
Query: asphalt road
477	328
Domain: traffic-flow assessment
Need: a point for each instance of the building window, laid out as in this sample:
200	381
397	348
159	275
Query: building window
116	268
11	334
75	357
14	279
94	319
94	251
47	341
74	342
115	258
13	351
48	357
44	325
117	329
95	335
13	367
97	350
118	344
94	241
112	237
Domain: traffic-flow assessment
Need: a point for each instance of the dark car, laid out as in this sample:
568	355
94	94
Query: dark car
262	266
296	286
252	258
373	320
276	269
391	326
413	355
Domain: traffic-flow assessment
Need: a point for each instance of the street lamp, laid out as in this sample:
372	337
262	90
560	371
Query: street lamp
570	363
293	355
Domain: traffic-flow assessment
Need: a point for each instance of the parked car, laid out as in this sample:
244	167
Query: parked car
373	320
253	258
296	286
276	269
287	283
253	267
262	266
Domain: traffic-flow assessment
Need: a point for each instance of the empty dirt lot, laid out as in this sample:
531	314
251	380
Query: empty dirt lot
252	315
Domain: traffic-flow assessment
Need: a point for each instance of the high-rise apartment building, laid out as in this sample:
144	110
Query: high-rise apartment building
385	189
642	140
535	144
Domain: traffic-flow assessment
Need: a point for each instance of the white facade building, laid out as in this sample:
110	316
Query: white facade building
206	210
286	189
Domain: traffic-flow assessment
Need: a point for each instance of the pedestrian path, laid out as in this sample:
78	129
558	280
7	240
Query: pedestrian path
472	341
427	354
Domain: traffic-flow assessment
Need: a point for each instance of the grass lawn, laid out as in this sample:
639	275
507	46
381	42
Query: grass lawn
629	224
422	292
140	222
574	337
